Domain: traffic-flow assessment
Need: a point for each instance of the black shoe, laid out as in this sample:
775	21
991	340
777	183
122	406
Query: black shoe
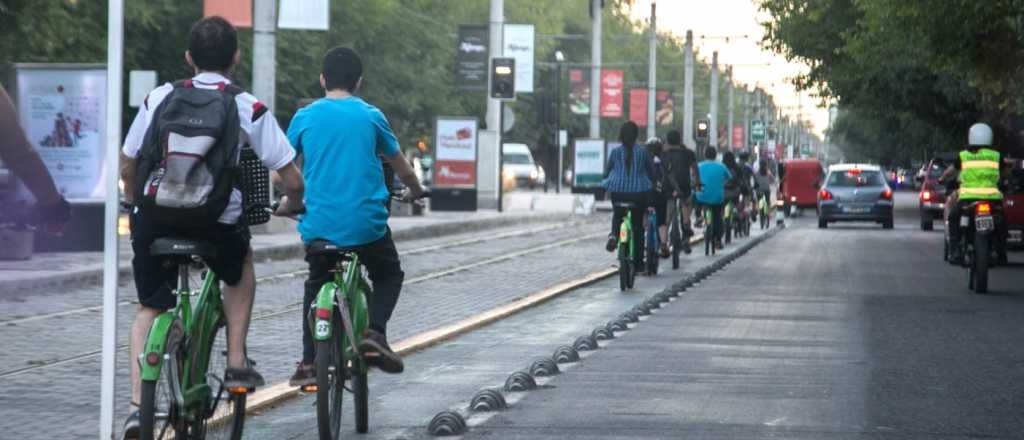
131	429
246	377
377	352
305	374
612	244
955	256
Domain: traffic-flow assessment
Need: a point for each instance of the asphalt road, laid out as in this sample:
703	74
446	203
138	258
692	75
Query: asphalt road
850	332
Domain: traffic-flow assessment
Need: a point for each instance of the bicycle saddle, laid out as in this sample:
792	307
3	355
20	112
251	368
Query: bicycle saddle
324	247
182	246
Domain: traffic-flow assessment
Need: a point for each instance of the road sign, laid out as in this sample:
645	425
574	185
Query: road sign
757	130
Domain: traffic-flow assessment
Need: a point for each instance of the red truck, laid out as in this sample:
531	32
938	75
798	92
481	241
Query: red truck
799	182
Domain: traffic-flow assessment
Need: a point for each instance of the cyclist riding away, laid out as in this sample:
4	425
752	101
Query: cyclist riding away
711	195
680	164
627	178
979	168
167	165
763	182
659	191
338	139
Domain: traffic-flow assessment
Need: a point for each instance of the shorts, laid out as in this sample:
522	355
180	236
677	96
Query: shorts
154	281
659	201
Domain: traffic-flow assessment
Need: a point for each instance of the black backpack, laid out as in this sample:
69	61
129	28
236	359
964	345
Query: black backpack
188	163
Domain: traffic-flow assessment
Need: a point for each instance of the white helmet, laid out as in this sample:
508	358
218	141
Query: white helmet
980	135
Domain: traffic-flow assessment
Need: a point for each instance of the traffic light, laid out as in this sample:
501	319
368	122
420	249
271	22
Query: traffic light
503	78
702	129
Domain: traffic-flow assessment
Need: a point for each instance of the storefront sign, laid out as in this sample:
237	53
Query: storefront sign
588	163
455	144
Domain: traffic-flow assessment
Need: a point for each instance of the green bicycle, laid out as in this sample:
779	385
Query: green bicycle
627	249
762	210
181	397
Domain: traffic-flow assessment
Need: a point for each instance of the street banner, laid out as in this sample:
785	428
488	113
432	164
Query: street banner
612	88
757	131
665	108
579	91
455	146
236	12
310	15
588	163
519	43
738	142
63	109
638	106
471	57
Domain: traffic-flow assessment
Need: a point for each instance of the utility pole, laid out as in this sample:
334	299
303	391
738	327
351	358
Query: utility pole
264	51
496	50
713	135
729	118
596	8
559	58
746	119
652	72
688	93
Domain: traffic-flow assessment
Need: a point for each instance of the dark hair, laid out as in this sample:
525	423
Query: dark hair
729	159
342	69
627	135
212	44
744	156
673	137
710	153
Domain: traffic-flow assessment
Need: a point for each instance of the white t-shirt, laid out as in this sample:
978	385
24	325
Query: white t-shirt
259	129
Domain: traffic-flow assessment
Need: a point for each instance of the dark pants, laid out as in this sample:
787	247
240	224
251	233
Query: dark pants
380	259
639	201
716	227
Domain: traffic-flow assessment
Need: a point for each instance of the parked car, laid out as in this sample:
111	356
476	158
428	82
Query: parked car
1013	207
932	198
855	192
518	165
799	183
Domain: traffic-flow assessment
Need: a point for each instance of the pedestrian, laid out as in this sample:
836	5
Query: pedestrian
627	179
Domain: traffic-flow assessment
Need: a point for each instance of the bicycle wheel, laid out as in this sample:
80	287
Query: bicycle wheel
330	384
361	402
980	266
157	409
624	263
225	417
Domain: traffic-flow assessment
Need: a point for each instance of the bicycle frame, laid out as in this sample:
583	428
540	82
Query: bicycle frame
651	236
191	390
347	294
626	237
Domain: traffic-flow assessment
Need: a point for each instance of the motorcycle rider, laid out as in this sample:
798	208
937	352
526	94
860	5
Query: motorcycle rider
979	175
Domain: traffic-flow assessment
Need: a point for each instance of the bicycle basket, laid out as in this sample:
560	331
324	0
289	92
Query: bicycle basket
254	182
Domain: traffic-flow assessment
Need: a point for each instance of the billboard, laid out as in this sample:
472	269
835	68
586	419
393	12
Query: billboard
236	12
579	91
518	44
638	106
455	147
665	111
588	163
738	141
471	57
63	109
612	88
664	107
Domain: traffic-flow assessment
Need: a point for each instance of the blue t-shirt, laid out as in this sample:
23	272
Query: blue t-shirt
713	176
340	140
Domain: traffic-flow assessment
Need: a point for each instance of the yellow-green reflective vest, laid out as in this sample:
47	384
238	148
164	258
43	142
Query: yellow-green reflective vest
979	175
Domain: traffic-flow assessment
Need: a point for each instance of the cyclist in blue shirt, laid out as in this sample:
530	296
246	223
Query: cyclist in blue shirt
713	176
340	139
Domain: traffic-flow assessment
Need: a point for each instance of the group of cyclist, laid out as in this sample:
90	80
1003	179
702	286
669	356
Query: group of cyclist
664	175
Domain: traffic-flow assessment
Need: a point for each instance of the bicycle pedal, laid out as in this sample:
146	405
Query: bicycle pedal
240	390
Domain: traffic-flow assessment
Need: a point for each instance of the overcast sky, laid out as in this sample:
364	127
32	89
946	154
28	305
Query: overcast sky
736	18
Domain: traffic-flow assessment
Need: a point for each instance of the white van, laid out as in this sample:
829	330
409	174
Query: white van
518	164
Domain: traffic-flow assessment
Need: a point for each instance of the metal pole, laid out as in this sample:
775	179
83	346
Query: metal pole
501	153
688	92
595	69
652	71
264	55
558	128
496	50
746	119
115	66
729	117
713	135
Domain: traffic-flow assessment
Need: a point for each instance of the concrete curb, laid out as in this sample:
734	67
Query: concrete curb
82	277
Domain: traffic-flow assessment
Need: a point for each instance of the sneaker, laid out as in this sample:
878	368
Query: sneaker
611	245
131	427
305	374
377	352
246	377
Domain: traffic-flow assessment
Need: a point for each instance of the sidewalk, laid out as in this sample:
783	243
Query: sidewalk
46	270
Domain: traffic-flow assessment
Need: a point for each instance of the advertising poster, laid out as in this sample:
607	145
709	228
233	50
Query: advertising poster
236	12
665	108
588	165
471	57
579	91
310	15
63	111
612	88
455	145
638	106
518	40
738	142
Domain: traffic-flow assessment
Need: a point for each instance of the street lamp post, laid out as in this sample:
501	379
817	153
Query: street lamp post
559	59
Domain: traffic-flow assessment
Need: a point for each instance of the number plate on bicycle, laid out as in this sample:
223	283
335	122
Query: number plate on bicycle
984	224
323	329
